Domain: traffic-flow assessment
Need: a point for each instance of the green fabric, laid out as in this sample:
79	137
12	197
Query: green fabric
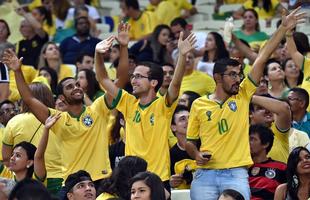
256	37
54	185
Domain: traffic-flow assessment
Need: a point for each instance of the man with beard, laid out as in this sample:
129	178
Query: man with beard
79	43
221	122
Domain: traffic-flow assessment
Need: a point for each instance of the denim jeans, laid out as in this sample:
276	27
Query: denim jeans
208	184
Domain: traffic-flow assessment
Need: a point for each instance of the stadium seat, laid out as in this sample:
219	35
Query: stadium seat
180	195
229	7
209	25
104	28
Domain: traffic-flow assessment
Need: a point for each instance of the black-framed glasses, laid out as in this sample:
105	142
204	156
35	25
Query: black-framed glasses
234	75
138	76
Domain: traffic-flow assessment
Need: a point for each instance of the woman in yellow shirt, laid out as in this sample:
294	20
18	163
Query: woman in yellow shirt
45	18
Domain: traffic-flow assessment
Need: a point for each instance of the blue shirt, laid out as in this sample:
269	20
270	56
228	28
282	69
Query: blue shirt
304	124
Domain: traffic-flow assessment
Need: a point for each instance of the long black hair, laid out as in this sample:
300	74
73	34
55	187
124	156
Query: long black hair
266	4
54	77
293	182
92	83
221	51
46	13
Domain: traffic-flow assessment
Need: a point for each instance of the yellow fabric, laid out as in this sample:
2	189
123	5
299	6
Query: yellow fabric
142	26
260	11
34	3
50	30
280	147
41	79
181	5
165	12
29	74
105	196
23	127
297	138
179	168
111	71
65	71
1	137
234	1
84	140
246	70
172	139
198	82
147	129
306	82
220	129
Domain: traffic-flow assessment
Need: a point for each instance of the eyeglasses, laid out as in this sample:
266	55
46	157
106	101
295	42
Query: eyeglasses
234	75
137	76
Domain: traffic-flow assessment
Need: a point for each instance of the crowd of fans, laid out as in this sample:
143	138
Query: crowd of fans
155	106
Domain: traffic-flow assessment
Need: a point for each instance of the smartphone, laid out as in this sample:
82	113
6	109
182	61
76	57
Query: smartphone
207	156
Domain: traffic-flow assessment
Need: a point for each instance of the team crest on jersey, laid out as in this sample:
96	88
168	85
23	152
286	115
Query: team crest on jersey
270	173
209	113
232	105
255	171
87	120
152	119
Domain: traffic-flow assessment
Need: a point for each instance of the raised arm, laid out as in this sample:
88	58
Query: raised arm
288	23
38	109
101	73
247	51
184	47
280	108
39	163
292	49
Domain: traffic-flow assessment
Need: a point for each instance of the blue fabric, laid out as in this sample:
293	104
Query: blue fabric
303	125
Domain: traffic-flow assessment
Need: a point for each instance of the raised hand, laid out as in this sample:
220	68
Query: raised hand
51	120
186	45
123	34
10	59
105	45
294	18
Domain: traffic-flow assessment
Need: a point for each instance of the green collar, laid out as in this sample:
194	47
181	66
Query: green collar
78	116
147	105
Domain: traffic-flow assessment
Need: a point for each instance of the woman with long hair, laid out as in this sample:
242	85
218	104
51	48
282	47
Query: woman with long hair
215	49
293	75
44	17
50	57
298	176
154	48
51	76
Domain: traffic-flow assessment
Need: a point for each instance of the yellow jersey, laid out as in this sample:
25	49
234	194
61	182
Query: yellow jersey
147	128
220	129
142	26
280	147
198	82
306	82
262	13
106	196
181	5
1	136
26	127
84	141
165	12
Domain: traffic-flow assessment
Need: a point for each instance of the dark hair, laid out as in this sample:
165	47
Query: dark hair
302	42
251	105
221	65
60	87
75	178
76	20
265	135
257	28
29	189
220	52
77	10
179	21
269	61
178	109
132	4
155	73
30	151
81	56
291	172
267	5
160	54
92	83
6	26
115	132
47	14
6	101
61	8
119	182
233	193
302	94
153	182
41	92
192	96
54	77
300	77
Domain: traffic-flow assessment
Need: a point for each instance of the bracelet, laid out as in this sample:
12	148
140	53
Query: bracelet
288	34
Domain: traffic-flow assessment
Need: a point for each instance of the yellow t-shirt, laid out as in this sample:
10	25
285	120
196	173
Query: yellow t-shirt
220	129
181	5
50	30
306	82
147	128
198	82
29	74
280	147
262	13
26	127
105	196
142	26
84	141
165	12
1	136
65	71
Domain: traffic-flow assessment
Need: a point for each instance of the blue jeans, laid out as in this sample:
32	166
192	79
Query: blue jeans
208	184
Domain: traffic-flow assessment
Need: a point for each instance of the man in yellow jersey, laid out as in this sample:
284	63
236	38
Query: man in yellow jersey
142	22
301	61
147	116
276	115
81	129
221	122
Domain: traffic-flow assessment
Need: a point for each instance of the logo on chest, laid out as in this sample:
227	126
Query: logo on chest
87	121
233	106
270	173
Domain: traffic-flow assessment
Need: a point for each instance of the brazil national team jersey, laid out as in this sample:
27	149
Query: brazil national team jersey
147	129
306	82
85	140
223	128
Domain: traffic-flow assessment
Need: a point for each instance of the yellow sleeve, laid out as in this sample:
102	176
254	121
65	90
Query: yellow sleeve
5	172
122	102
247	88
100	106
306	66
193	124
247	4
8	138
34	3
60	122
186	5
